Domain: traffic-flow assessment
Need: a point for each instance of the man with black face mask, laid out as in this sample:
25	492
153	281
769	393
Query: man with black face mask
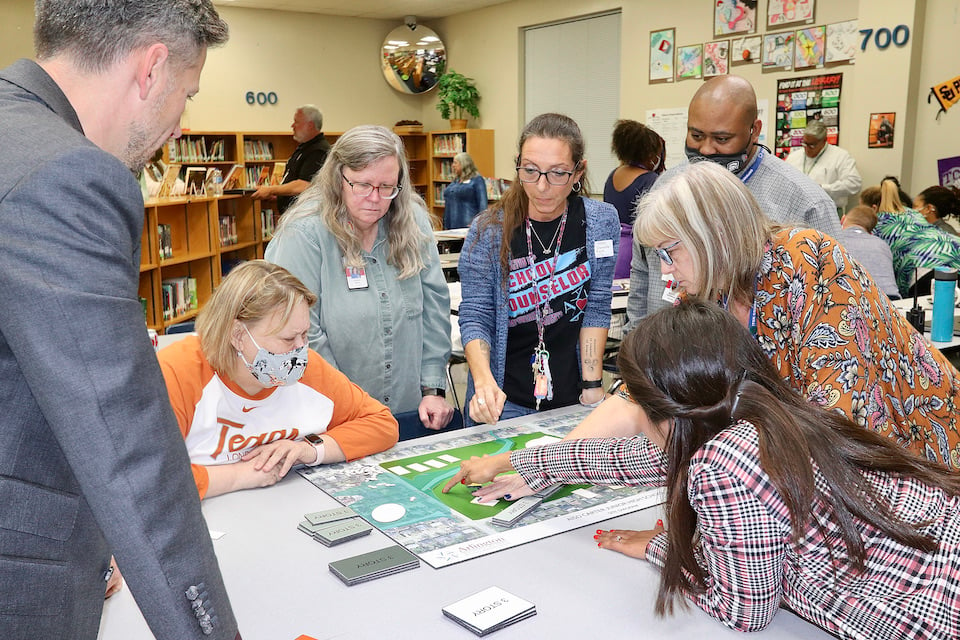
723	127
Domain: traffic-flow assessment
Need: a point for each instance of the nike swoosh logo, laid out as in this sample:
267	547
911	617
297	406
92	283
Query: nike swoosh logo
246	409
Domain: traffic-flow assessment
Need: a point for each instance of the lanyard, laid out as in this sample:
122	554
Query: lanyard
749	171
542	379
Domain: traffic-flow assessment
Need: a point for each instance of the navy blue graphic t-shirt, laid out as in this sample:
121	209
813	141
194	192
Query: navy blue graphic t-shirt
563	299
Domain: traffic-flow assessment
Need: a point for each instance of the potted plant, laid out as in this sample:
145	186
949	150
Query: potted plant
457	97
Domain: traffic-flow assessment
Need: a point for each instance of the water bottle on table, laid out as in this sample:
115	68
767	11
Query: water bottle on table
944	297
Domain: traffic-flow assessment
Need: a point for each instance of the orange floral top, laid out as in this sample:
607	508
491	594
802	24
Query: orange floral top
835	337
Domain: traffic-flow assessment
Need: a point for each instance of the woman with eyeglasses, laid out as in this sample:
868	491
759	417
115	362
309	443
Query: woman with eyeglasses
535	273
771	501
360	238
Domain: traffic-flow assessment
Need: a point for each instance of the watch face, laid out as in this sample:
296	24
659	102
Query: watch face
313	438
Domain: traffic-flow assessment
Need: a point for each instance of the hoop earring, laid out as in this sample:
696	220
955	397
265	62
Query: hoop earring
577	186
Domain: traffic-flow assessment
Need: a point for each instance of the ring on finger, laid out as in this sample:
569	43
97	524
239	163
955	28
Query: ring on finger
618	538
481	402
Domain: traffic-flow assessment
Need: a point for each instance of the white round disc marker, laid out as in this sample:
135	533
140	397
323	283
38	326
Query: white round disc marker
390	512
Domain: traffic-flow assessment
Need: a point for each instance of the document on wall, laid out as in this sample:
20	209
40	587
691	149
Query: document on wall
671	124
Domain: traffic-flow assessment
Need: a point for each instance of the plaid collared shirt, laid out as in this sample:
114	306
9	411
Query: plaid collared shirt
753	566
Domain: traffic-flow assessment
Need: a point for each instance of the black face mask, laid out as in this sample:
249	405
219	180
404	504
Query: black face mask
732	162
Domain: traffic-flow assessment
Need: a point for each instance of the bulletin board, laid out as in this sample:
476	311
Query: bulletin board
800	100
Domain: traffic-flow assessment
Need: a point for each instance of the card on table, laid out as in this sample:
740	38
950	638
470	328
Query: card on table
489	610
373	565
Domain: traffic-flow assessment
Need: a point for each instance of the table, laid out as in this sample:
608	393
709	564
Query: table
280	586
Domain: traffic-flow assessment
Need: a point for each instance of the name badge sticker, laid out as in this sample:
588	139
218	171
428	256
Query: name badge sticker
356	277
603	248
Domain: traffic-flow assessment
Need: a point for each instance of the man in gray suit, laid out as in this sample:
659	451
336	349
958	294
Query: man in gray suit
91	459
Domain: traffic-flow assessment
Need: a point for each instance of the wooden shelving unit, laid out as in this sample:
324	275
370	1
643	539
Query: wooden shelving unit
444	145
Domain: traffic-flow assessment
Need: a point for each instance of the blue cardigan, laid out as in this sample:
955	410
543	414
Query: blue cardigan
484	310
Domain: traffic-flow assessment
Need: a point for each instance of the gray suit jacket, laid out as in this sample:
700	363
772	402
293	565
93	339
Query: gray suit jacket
91	459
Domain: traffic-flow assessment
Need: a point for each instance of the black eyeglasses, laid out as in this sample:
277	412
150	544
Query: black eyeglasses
364	189
556	177
664	253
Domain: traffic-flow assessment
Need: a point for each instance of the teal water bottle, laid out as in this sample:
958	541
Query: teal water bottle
944	292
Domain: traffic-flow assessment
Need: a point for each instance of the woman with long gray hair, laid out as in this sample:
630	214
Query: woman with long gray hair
359	237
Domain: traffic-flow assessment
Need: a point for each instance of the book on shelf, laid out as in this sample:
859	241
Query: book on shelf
179	296
258	150
264	177
228	231
195	181
449	143
268	222
169	181
165	237
496	187
232	179
446	170
276	176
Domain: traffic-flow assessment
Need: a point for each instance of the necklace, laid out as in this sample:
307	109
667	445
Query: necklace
547	249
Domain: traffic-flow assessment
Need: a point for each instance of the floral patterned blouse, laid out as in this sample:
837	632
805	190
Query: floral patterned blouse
835	337
915	243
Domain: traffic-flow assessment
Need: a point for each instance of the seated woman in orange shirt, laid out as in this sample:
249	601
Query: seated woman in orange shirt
252	400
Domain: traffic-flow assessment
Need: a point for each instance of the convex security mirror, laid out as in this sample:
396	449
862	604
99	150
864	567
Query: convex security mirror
412	58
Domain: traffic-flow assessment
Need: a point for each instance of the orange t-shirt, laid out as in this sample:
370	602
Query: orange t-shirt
220	422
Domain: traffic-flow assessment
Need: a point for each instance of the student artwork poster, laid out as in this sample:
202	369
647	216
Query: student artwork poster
784	12
841	42
716	58
778	50
661	55
734	16
810	48
745	50
690	62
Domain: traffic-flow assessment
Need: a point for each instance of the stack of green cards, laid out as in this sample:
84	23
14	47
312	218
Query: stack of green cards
489	610
373	565
333	526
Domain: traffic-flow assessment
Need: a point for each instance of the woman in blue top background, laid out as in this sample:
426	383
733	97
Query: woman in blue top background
642	155
535	274
466	196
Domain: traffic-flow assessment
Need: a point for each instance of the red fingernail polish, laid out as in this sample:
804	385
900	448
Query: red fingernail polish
599	530
659	522
464	481
596	537
599	544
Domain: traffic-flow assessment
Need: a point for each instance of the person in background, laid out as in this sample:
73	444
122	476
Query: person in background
310	154
360	239
536	272
770	501
871	252
917	246
466	196
642	155
91	461
252	400
938	203
829	166
723	127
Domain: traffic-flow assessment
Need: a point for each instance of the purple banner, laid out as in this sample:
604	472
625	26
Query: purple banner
948	169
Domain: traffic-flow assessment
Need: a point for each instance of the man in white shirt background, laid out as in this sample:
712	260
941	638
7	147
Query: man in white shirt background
828	165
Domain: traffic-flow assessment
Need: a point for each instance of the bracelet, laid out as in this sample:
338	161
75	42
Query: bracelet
591	404
591	384
433	391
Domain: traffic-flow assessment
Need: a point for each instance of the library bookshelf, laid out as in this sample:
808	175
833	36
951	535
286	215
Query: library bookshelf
203	237
444	145
196	247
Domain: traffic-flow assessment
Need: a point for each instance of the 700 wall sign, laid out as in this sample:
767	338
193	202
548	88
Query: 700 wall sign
883	37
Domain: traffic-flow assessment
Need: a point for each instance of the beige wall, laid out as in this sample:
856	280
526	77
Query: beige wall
332	61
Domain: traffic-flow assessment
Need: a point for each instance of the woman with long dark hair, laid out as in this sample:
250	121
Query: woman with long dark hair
771	500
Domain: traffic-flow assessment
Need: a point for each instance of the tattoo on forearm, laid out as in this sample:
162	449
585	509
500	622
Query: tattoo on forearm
484	348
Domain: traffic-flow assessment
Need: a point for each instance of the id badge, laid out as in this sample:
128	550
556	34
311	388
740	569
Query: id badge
356	277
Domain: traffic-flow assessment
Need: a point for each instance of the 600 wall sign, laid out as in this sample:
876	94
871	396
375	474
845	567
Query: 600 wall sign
261	98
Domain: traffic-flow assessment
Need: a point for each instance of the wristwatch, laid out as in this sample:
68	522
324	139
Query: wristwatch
433	391
317	441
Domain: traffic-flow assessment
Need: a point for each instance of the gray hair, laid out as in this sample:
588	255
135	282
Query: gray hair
816	129
357	149
718	221
312	113
97	34
467	168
